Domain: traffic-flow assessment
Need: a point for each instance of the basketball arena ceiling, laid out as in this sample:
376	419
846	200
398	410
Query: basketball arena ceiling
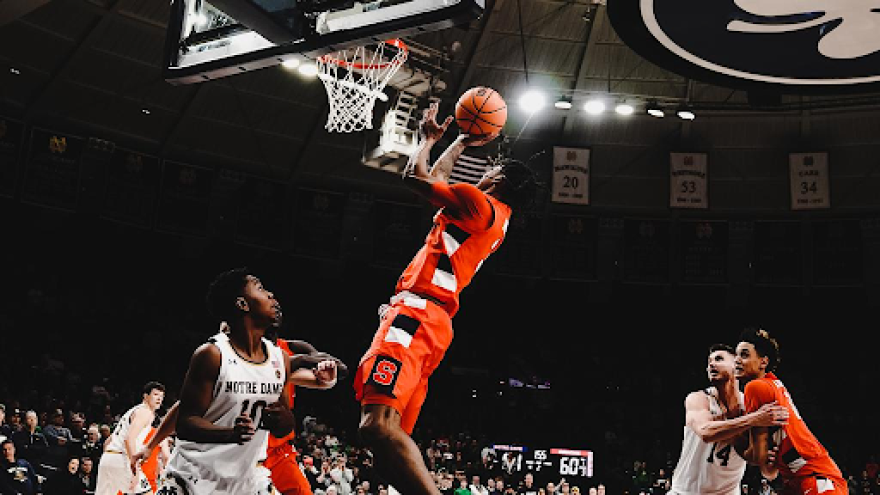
94	67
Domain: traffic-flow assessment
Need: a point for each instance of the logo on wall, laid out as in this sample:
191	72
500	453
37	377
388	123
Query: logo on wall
785	45
57	144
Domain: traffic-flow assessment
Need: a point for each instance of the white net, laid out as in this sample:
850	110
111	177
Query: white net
354	78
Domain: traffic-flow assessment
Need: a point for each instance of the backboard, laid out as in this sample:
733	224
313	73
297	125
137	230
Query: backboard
217	38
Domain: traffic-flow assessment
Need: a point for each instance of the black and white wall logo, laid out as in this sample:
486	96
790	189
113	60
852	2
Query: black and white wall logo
807	44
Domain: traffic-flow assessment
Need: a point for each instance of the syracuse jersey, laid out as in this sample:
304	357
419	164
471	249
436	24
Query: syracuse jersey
273	440
800	453
456	246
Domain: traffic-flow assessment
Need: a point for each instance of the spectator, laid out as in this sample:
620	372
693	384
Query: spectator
366	486
16	475
59	437
88	475
65	481
528	485
105	432
462	488
872	467
14	421
77	431
5	428
852	485
93	446
341	475
765	489
490	486
477	488
30	443
307	466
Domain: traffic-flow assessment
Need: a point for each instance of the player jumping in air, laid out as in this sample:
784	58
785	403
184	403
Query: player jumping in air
392	378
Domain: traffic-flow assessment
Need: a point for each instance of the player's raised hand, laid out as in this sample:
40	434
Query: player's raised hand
428	127
243	431
325	372
771	414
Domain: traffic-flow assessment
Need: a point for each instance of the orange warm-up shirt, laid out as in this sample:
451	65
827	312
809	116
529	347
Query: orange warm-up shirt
800	453
468	228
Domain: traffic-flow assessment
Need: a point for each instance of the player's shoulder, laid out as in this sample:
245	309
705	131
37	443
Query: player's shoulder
759	388
697	399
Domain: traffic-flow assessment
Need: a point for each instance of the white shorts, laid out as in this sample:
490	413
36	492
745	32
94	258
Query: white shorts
114	476
179	483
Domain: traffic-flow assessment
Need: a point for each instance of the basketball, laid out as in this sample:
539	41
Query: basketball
481	111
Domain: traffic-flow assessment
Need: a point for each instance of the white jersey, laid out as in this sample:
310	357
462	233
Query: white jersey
242	386
116	442
708	468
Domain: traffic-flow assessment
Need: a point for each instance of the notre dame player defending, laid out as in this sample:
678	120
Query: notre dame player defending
232	395
392	378
713	418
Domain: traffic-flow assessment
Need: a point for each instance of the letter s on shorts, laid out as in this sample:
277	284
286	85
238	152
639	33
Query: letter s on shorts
384	374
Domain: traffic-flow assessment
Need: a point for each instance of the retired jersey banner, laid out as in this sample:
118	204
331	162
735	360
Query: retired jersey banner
702	248
52	173
574	246
317	223
260	217
132	188
185	202
11	134
688	184
571	175
646	251
809	181
399	232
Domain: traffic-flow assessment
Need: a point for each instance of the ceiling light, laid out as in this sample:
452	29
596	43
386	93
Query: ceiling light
686	114
532	101
563	103
291	63
145	111
654	110
624	108
308	70
594	106
14	71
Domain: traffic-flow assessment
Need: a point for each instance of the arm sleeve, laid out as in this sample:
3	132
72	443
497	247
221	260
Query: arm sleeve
468	204
757	393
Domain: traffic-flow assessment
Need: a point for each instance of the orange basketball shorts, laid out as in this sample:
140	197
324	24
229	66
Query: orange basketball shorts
409	345
815	485
286	475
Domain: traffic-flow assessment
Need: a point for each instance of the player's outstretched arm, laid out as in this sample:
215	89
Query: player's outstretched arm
700	419
416	174
196	396
306	356
165	430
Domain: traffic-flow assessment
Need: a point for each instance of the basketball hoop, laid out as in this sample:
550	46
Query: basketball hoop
354	78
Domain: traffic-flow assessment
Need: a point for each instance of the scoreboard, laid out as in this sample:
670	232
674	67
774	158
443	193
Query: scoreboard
570	463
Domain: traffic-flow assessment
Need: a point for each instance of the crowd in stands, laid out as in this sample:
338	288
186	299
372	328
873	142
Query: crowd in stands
57	451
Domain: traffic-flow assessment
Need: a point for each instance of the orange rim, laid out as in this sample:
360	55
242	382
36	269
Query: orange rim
396	42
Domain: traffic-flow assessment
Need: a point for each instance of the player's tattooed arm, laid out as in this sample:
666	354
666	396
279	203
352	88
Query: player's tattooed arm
416	174
195	398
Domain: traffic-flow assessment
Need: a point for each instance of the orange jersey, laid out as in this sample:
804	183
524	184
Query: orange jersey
274	441
800	453
462	238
